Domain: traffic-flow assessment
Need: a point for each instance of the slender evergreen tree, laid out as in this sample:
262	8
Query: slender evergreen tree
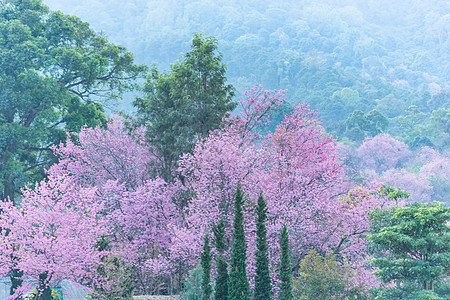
221	290
263	286
285	268
206	267
239	288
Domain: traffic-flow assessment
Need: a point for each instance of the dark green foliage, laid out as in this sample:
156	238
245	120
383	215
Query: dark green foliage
221	289
408	292
238	288
53	71
285	267
359	125
393	193
118	277
206	269
419	142
55	294
188	101
412	249
263	286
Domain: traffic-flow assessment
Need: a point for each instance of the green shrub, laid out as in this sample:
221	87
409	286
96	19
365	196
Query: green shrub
323	278
56	294
117	280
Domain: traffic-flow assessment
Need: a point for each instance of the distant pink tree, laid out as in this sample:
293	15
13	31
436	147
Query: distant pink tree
307	183
256	108
426	178
97	155
382	152
438	173
416	184
424	155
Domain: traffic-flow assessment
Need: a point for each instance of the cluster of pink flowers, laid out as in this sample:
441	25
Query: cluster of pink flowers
105	185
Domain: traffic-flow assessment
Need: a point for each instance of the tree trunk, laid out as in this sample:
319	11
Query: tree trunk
44	292
8	190
16	280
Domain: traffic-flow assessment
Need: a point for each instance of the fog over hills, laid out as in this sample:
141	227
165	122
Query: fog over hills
338	56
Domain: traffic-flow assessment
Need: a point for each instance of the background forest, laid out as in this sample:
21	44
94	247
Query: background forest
338	56
301	145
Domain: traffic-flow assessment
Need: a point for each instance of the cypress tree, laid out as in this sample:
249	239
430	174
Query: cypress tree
206	267
238	288
285	267
262	275
221	290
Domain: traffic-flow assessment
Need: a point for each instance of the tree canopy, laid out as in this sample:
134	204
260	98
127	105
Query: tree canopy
414	249
54	73
186	102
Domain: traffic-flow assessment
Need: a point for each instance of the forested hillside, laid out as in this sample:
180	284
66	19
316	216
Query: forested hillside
338	56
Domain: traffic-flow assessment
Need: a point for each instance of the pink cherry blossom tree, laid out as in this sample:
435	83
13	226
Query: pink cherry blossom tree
425	176
137	205
382	152
52	236
302	179
105	184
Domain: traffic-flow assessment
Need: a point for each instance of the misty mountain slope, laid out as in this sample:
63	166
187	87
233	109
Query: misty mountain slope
339	56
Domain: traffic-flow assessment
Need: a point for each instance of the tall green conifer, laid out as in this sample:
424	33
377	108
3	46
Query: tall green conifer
262	275
285	268
206	268
239	288
187	101
221	290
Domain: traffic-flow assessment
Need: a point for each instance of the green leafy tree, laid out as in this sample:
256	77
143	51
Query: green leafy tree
360	125
238	288
54	70
323	277
263	286
118	279
414	251
348	99
404	125
206	268
439	100
221	288
393	193
432	130
188	101
285	267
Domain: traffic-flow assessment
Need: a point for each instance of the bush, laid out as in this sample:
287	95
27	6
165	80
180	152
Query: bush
56	294
117	280
323	277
